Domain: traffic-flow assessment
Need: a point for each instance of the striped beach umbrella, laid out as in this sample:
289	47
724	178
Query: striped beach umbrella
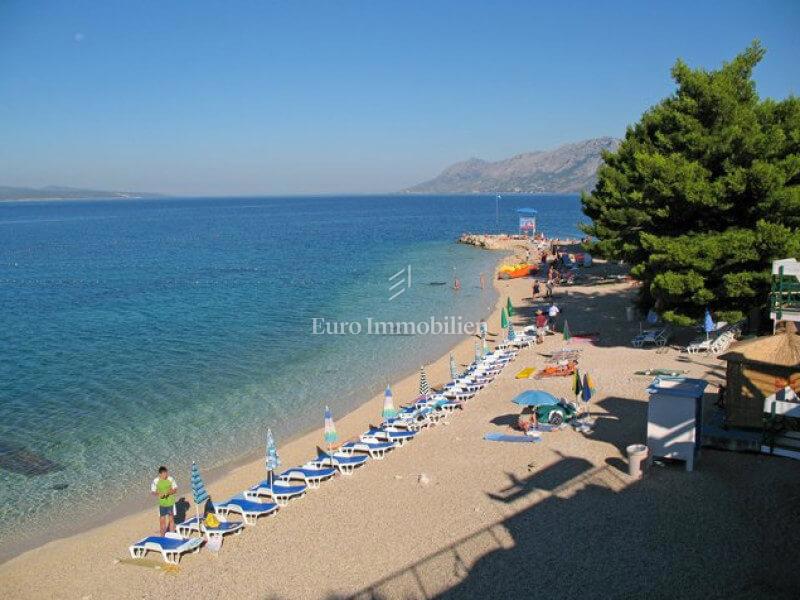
330	429
511	333
509	307
486	350
453	368
503	319
273	460
424	386
478	351
199	492
389	411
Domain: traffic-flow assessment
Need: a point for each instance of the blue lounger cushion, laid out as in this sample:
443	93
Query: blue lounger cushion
252	507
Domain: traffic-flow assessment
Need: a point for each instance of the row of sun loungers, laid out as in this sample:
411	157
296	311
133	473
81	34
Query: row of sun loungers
267	497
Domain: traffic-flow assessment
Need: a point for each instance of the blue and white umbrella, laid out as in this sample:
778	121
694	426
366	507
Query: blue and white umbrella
273	460
708	323
424	387
511	333
199	492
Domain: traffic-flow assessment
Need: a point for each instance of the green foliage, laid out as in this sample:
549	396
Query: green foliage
703	193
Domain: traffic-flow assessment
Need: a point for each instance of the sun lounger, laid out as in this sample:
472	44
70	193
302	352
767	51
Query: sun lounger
312	476
376	450
197	524
249	509
345	463
171	546
280	491
388	434
657	337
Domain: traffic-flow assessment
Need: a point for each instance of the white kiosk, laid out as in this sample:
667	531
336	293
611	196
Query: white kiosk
674	418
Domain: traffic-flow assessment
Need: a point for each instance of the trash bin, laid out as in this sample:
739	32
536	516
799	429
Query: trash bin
630	313
637	453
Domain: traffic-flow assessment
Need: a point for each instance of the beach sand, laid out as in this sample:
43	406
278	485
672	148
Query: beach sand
453	516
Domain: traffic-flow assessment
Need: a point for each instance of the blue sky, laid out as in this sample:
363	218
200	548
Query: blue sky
286	97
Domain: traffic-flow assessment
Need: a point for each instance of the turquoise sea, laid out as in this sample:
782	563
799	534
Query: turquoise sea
146	332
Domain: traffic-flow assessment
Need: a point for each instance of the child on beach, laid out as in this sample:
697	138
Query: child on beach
536	288
164	488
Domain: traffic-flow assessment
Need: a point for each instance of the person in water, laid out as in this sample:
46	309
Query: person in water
164	488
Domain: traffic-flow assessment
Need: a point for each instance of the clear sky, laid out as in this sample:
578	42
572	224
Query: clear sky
277	97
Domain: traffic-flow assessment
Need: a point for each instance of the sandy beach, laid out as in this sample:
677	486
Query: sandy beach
453	516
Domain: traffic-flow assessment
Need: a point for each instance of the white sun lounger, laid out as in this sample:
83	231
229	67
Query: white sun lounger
311	475
171	546
249	509
376	450
197	524
345	463
280	491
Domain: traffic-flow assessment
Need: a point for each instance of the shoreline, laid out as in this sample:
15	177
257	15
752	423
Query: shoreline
253	459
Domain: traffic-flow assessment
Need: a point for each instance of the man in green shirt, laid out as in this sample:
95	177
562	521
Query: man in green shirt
164	488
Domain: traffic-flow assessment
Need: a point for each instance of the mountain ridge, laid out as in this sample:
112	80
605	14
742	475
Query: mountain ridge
569	168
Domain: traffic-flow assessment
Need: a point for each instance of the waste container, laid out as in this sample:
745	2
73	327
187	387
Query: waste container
674	418
637	453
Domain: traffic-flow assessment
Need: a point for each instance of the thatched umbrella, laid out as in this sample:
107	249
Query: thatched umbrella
757	369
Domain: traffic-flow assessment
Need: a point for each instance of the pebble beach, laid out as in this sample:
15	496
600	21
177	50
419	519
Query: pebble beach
454	516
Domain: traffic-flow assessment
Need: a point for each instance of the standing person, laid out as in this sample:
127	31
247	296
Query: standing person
164	488
536	289
552	314
549	287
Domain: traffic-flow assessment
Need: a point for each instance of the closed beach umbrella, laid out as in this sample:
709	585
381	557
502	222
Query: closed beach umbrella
567	334
453	368
478	352
485	347
503	319
273	460
708	323
424	387
577	386
330	430
509	307
588	390
511	333
199	492
389	411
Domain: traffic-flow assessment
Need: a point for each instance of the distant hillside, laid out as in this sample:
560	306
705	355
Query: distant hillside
566	169
54	192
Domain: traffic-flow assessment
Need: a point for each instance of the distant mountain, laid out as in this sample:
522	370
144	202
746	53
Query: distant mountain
54	192
566	169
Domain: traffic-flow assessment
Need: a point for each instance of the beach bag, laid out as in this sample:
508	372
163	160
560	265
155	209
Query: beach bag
212	521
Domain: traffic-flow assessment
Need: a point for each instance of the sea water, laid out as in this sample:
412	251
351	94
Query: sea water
146	332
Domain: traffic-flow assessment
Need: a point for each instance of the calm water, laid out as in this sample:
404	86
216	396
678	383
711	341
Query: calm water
136	333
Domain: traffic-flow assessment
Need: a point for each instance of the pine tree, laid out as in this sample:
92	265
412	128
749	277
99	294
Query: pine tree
703	193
